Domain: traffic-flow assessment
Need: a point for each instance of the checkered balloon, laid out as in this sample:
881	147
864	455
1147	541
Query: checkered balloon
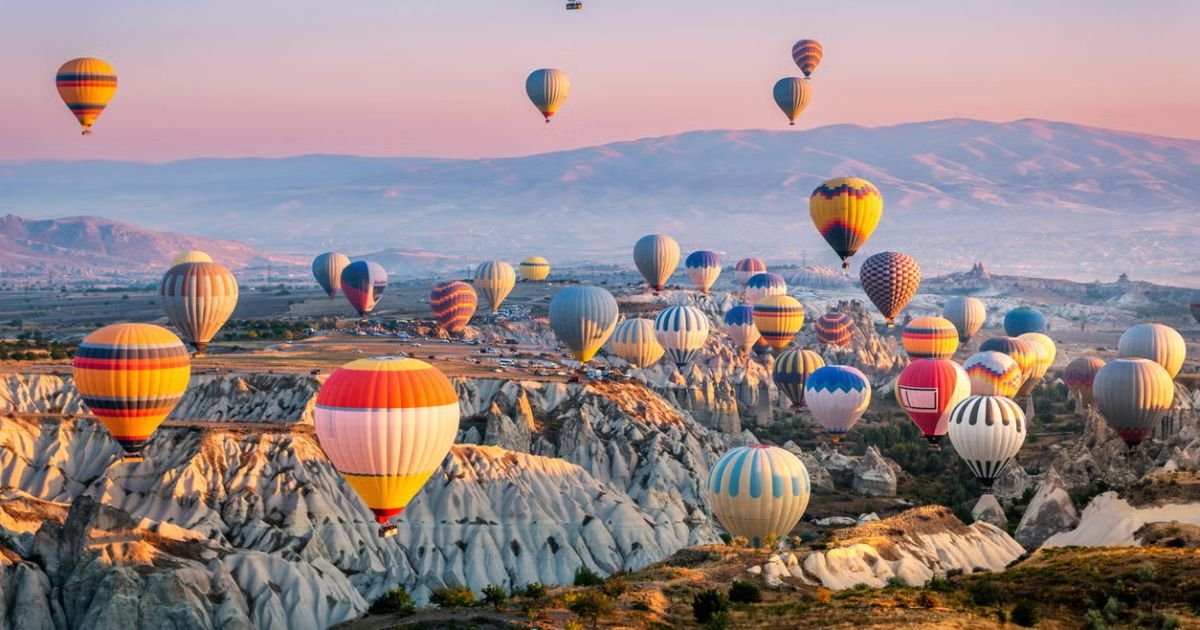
890	279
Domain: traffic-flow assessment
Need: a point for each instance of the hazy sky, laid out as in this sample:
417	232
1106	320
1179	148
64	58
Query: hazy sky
446	77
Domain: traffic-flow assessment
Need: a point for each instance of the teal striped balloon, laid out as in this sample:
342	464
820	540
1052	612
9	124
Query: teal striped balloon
757	491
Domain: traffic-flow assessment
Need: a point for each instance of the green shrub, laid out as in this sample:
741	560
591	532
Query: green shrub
719	621
707	603
452	597
587	577
1094	620
928	599
1024	614
743	592
495	596
394	602
897	582
535	590
940	585
1145	573
615	586
984	593
592	606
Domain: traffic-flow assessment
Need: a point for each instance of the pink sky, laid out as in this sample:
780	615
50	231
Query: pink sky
436	78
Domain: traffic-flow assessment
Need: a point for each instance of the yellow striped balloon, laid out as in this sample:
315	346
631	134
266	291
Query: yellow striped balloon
930	338
535	269
634	341
778	318
548	89
1044	358
495	280
758	491
199	298
190	255
1022	351
131	376
386	424
791	370
846	211
86	85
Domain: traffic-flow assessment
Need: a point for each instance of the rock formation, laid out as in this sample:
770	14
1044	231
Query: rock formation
1049	513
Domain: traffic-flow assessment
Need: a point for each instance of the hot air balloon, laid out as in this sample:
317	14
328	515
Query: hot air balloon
131	376
835	329
535	269
1022	351
758	491
739	325
747	267
1023	319
363	283
386	424
846	211
792	96
1161	344
993	374
656	256
791	371
1195	306
190	255
837	396
1079	375
987	432
703	267
761	285
583	317
453	304
199	298
928	390
633	340
1047	351
890	279
548	89
778	319
327	269
1133	395
930	338
807	54
967	314
86	85
681	331
495	279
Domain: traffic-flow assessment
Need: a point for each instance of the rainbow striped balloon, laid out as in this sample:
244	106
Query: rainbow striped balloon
993	374
835	329
748	267
131	376
758	491
791	370
386	424
363	283
86	85
535	269
1022	351
453	304
778	318
846	211
930	338
807	54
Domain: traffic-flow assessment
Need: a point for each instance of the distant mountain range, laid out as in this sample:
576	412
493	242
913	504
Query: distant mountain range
1028	197
94	246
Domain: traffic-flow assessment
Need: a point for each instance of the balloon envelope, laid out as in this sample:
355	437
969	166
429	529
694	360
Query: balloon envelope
327	269
190	255
363	283
548	89
747	267
198	298
930	338
758	491
1161	344
807	54
1023	319
1044	358
535	269
1022	351
837	395
681	331
739	325
928	390
987	432
791	371
703	267
835	329
792	95
131	376
1079	376
778	319
634	341
1133	395
890	279
656	256
86	85
846	211
967	314
386	424
495	280
453	304
761	285
583	317
993	374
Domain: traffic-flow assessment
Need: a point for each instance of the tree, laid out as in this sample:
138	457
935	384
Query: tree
452	597
394	602
587	577
743	592
495	596
707	603
592	605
